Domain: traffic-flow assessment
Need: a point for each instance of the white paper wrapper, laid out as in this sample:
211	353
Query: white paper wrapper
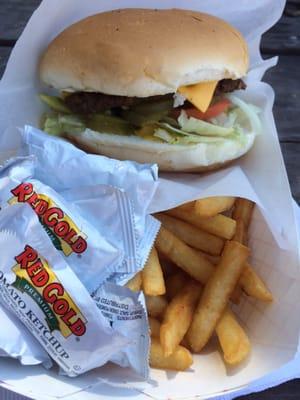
273	329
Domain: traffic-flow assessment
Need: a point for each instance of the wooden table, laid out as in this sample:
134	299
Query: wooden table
282	40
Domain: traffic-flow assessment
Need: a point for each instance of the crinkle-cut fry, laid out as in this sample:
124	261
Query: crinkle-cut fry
180	360
211	206
178	316
233	339
135	283
154	326
152	276
216	294
192	236
175	283
219	225
253	285
156	306
188	259
243	210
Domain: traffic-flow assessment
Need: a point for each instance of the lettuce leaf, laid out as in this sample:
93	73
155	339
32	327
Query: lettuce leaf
57	124
203	128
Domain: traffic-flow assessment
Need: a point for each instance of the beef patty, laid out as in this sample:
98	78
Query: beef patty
90	102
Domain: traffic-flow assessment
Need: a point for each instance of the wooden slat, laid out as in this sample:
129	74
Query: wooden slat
14	15
284	37
4	54
286	391
285	78
291	157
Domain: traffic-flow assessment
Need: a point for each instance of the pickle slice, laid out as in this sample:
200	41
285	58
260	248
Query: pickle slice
55	103
104	123
140	120
154	107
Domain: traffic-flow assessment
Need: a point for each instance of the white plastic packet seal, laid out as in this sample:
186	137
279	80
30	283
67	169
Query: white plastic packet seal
37	284
111	212
126	312
89	254
17	342
152	226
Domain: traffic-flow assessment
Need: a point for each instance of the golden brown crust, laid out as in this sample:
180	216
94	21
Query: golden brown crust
143	52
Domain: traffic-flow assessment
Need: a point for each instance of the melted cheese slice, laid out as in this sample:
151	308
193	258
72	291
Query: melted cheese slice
200	95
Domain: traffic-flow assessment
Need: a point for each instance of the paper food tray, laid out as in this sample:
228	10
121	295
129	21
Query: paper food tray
273	329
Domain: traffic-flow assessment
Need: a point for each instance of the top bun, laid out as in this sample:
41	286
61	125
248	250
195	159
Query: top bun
143	52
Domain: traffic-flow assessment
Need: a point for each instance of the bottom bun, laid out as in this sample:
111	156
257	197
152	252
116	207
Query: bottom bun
169	157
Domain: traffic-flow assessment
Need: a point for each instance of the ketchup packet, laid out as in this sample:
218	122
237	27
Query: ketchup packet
111	212
80	243
126	312
40	288
72	172
17	342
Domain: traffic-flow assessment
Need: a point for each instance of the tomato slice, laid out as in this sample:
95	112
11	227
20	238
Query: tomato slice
217	108
213	111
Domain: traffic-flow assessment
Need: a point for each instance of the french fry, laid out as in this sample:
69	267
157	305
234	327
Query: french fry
234	342
211	206
243	210
175	283
249	281
135	283
152	276
178	316
154	326
188	259
191	235
236	295
180	360
156	306
240	232
168	268
185	343
253	285
219	225
187	206
216	294
238	292
213	259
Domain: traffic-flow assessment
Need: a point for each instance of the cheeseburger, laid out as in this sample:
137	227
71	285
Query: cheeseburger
155	86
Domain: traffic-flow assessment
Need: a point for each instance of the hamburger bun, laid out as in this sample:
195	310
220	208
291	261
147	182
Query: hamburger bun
143	52
192	158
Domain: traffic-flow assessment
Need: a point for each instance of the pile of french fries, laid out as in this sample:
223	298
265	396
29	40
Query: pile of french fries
197	268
